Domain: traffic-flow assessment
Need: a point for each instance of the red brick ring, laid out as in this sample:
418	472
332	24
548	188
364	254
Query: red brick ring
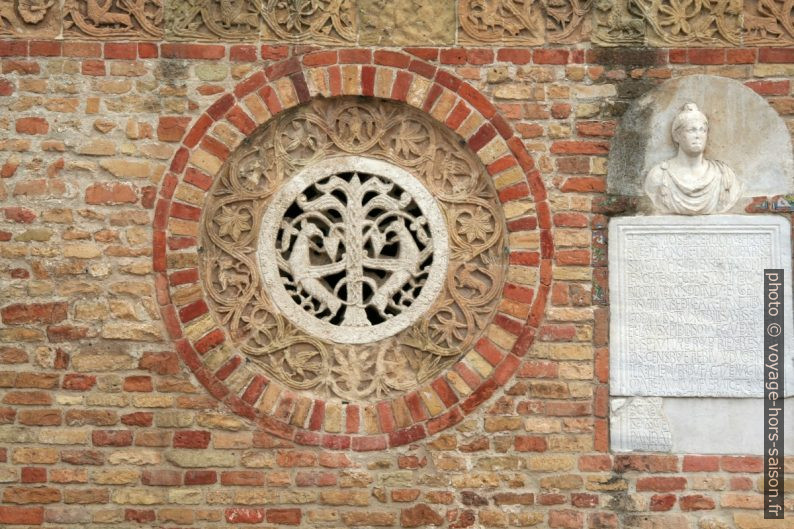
201	342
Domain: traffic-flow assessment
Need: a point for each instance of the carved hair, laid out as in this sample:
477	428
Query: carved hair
689	111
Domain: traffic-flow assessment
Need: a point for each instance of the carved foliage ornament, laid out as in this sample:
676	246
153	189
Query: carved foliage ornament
353	248
321	21
29	17
141	19
768	22
667	22
522	21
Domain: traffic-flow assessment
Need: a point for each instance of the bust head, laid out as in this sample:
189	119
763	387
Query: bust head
690	130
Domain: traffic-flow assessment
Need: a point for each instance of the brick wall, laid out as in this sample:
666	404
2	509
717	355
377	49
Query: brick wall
103	421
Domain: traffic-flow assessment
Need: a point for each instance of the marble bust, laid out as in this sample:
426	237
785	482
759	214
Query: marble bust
688	183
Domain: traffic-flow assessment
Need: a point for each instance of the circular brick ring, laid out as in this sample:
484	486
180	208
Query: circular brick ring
202	343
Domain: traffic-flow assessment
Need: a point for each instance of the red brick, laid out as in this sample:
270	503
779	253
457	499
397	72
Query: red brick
392	58
661	484
514	55
244	515
530	443
93	67
139	515
110	193
355	56
201	477
161	478
696	502
742	464
247	478
420	515
701	463
454	56
566	519
32	126
45	48
321	58
550	56
770	88
39	417
121	50
138	418
21	515
191	439
220	107
741	56
662	502
706	56
272	53
283	516
192	51
172	128
148	50
242	53
776	55
82	49
78	382
20	313
111	437
138	383
193	311
579	147
34	475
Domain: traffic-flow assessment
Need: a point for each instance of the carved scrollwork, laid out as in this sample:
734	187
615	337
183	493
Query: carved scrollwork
692	22
141	19
519	21
768	22
566	20
29	17
321	222
523	21
321	21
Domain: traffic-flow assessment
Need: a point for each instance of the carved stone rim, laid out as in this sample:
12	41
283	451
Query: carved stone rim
200	342
310	175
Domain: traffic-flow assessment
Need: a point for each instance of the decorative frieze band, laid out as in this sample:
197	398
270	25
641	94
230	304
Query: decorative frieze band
655	23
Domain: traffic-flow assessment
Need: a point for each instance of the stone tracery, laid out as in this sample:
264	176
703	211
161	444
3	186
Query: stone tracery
390	134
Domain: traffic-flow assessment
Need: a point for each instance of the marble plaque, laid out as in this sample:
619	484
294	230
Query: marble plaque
686	304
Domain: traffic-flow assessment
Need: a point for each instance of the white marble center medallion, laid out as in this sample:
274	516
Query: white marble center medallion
353	249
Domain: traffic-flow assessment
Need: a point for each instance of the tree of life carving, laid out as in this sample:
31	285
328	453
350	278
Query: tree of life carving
372	194
357	254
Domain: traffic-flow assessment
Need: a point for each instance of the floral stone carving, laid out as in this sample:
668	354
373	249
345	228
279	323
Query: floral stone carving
29	18
140	19
692	22
353	248
768	22
320	21
518	21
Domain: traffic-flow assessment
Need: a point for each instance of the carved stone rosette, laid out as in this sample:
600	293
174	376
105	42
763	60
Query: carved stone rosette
353	248
106	19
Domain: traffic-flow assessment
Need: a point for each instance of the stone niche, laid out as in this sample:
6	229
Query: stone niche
686	290
745	132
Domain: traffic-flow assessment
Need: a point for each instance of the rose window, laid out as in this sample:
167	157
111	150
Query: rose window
353	248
